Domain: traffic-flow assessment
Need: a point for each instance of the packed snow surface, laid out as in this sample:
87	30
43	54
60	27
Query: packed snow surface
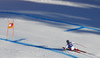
41	28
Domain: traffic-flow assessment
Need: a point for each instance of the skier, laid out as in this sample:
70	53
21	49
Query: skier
70	46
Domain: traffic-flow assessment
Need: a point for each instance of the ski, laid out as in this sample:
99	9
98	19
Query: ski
83	51
74	50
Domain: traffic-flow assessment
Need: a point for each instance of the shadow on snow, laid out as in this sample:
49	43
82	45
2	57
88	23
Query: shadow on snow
59	13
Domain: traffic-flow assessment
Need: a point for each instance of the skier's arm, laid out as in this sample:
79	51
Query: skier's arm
66	47
73	43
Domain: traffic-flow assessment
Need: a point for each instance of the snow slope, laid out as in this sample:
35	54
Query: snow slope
42	28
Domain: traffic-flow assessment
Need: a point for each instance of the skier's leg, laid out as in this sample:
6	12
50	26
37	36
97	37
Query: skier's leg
72	48
76	49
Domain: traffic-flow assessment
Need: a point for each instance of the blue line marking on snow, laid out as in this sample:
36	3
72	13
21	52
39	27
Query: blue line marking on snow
38	17
19	40
75	29
15	13
42	47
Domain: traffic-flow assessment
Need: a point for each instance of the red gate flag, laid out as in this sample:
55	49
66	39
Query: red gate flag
10	25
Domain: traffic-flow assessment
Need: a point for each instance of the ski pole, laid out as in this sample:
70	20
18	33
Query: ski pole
81	45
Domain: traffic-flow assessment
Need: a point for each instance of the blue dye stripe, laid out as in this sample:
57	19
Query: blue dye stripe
39	17
49	20
50	49
75	29
92	28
